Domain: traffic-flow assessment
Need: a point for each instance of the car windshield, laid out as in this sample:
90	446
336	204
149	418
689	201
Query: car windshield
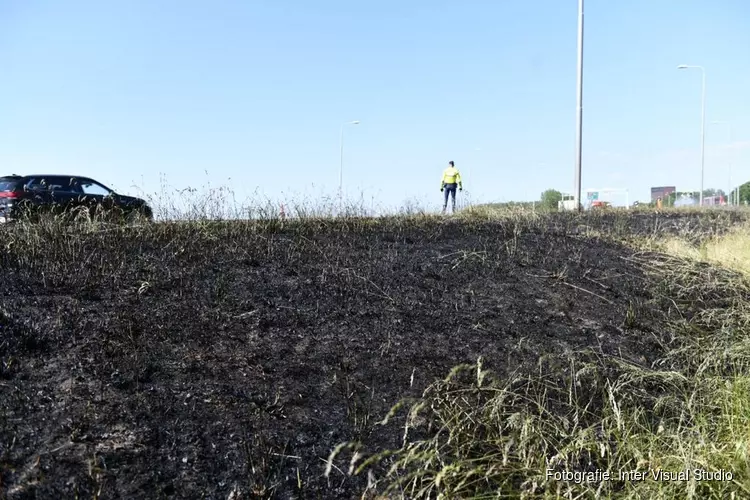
94	188
8	184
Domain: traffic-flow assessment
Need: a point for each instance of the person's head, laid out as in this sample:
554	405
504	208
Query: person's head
450	163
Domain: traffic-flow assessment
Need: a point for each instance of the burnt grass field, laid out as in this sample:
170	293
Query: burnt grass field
228	359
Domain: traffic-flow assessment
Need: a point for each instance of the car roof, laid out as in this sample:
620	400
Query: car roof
56	175
32	176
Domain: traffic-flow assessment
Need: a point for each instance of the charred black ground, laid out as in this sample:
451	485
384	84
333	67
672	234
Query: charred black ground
193	360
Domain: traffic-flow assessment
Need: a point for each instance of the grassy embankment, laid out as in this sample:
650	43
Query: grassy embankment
476	436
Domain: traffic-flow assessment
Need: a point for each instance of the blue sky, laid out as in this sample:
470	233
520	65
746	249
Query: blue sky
252	94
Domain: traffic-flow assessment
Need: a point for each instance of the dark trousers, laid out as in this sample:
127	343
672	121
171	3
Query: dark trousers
450	190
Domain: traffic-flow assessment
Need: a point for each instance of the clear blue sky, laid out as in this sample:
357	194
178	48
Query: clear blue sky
136	92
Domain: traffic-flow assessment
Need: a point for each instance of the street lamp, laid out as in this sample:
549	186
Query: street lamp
341	166
579	110
703	120
729	138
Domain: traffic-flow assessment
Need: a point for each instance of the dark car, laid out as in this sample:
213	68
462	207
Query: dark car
32	195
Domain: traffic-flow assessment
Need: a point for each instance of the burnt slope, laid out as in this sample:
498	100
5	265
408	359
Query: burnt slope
196	359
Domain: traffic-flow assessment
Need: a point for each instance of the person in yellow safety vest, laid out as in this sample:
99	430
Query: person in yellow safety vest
451	179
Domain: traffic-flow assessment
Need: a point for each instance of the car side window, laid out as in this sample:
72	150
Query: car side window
65	185
74	186
59	184
37	184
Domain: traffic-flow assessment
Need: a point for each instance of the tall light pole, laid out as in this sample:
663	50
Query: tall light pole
703	120
341	166
579	110
729	142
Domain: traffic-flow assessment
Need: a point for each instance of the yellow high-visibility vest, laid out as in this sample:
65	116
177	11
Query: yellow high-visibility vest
451	175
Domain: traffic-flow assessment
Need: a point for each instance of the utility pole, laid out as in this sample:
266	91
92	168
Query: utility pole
731	193
579	110
703	120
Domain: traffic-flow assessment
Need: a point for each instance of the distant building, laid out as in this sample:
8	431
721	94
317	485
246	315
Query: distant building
662	192
567	202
